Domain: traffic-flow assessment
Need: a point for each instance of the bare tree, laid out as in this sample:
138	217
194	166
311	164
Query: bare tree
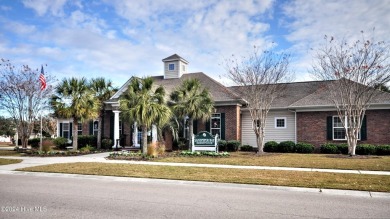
22	96
355	69
259	80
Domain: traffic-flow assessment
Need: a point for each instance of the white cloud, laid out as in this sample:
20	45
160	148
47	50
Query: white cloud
41	7
309	21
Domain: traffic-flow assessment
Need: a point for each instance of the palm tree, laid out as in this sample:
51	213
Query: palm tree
102	90
141	104
74	99
191	100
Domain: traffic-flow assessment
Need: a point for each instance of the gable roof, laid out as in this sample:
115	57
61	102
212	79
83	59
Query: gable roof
311	94
220	94
174	57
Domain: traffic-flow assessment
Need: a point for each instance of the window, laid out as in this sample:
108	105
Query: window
65	130
171	67
339	130
79	128
120	128
280	122
95	128
215	124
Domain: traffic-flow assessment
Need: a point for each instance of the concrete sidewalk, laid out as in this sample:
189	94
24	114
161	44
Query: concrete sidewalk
101	158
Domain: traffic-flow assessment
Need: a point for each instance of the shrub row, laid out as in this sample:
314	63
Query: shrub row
363	149
232	145
82	140
34	142
288	147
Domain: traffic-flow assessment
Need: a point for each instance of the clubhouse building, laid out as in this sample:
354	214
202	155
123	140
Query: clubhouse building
303	114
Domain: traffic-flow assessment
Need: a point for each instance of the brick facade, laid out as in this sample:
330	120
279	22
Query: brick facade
311	127
232	122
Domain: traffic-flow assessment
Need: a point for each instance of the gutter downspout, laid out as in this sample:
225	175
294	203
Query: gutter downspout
295	123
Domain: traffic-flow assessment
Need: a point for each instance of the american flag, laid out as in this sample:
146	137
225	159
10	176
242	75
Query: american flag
42	79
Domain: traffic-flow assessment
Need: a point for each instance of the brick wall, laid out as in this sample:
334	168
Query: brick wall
232	122
311	127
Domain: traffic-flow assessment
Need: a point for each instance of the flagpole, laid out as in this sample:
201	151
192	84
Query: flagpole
42	79
40	144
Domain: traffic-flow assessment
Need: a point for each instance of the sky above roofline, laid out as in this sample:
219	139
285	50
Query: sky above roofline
118	39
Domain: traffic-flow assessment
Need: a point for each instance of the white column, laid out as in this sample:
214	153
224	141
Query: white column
154	133
58	129
116	127
135	135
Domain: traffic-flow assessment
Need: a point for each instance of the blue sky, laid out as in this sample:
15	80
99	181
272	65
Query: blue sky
118	39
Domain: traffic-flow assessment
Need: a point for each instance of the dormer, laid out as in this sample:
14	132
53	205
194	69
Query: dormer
174	66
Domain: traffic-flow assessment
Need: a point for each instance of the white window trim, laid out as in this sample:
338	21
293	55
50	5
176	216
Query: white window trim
173	66
346	122
68	130
285	122
78	126
217	116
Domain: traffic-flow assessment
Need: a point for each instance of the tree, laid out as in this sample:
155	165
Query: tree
74	99
192	100
382	87
259	80
353	69
22	97
102	90
145	105
7	126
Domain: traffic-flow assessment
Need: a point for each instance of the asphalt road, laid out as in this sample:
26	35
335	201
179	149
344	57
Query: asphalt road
64	196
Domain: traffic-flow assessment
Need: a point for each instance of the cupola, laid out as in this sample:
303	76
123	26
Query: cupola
174	66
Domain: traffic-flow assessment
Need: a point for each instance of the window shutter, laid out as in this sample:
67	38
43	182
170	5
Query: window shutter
329	128
60	130
90	127
223	126
363	130
208	125
70	130
112	126
195	126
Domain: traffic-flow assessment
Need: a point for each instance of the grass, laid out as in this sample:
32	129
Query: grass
4	161
260	177
9	153
322	161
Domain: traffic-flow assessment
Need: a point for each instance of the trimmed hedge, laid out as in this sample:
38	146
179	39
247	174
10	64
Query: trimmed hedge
362	149
383	150
222	145
329	148
61	142
271	146
286	147
34	142
84	140
107	143
246	148
303	148
366	149
233	145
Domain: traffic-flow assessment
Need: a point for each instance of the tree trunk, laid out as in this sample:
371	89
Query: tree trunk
144	146
190	132
75	133
99	135
260	141
352	146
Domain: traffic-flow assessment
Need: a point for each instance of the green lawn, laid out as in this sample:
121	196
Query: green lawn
4	161
323	161
259	177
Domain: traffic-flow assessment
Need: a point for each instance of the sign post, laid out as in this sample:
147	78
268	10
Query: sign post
204	141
